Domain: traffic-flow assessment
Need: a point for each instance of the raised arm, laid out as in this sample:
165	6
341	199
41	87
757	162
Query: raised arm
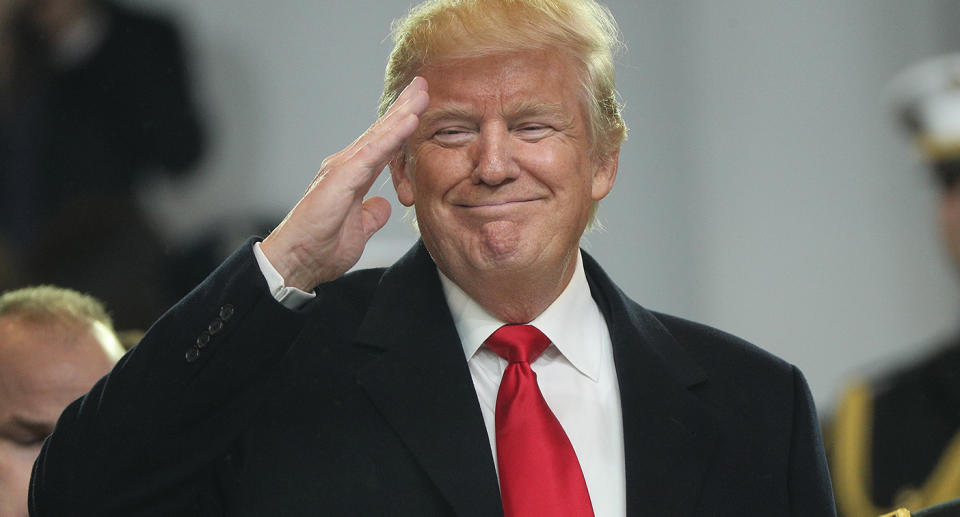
153	436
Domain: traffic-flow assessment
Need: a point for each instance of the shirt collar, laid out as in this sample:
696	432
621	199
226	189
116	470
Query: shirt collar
569	321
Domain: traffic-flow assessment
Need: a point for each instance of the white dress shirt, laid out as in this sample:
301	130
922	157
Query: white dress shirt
575	373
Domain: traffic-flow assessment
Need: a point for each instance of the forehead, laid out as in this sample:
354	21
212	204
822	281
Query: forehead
508	81
43	367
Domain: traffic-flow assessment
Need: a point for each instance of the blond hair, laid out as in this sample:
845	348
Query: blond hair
450	29
49	305
47	302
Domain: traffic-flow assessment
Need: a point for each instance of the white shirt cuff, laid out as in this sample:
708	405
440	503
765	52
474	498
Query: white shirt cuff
290	297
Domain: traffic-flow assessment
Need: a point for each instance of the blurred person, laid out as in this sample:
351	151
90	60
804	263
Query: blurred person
493	370
54	344
895	439
94	96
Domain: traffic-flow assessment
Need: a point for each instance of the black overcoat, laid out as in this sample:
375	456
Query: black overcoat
361	403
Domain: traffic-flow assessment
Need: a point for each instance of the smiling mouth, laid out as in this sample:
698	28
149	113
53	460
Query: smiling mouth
497	210
497	204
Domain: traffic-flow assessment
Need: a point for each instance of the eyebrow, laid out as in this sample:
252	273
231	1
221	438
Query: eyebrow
523	108
534	108
446	112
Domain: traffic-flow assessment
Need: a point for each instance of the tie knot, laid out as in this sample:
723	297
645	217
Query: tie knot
518	343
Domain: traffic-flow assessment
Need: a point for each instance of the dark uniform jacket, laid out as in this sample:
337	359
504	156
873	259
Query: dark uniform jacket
895	441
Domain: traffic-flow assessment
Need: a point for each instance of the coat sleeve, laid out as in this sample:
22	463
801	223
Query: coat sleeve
148	437
810	488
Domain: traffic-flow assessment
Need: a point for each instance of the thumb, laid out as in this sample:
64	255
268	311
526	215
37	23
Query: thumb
374	213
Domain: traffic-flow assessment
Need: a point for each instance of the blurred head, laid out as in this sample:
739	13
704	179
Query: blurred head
583	30
925	99
54	17
941	156
54	345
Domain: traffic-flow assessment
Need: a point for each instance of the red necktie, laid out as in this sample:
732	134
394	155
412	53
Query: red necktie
539	471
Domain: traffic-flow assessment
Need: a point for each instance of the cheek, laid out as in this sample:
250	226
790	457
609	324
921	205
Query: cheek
16	462
950	212
546	154
555	165
438	171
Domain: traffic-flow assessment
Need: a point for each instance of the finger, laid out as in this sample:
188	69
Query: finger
370	160
375	213
359	167
362	161
414	99
417	84
377	152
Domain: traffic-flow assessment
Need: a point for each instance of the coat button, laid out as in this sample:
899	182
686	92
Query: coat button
192	354
226	312
215	326
203	339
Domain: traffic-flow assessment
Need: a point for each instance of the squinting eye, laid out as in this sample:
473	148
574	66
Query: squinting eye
534	131
452	136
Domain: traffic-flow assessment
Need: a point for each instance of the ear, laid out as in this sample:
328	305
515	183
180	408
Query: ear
605	174
402	183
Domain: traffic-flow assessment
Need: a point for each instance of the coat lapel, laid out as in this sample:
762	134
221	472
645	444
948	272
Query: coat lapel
669	437
422	386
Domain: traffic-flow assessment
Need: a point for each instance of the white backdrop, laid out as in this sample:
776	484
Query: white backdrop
763	189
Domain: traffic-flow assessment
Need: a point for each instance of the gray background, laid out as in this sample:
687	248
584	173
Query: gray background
763	188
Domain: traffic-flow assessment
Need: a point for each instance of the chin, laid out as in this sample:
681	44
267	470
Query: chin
501	249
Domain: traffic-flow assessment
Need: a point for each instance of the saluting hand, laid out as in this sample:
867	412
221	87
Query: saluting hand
325	233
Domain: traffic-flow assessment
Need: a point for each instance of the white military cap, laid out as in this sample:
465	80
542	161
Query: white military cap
926	101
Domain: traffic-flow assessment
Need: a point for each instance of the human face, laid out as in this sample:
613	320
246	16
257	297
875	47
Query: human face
43	367
950	221
501	170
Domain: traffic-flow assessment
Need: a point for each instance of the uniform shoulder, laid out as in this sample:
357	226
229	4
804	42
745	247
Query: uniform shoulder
939	362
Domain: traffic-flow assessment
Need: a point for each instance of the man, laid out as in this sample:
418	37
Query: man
405	391
895	440
95	99
54	344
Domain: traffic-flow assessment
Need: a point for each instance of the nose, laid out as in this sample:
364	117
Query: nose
493	162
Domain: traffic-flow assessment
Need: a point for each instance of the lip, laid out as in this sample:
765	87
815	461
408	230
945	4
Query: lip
496	208
496	204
